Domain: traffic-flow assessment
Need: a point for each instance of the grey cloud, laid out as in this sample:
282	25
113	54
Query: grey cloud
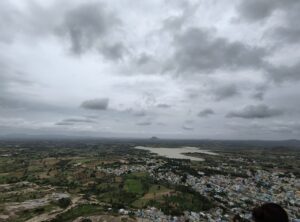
13	104
255	111
39	29
192	93
11	75
189	121
175	23
198	51
143	59
139	113
284	128
149	98
163	105
113	52
12	78
187	127
288	34
258	95
73	121
86	25
64	123
91	117
284	73
289	31
95	104
206	112
145	123
10	101
225	91
10	17
257	10
77	120
147	63
260	91
288	127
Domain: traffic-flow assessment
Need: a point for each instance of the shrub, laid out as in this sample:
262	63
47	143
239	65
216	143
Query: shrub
64	202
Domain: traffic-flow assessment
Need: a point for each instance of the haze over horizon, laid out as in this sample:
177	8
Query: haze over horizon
169	68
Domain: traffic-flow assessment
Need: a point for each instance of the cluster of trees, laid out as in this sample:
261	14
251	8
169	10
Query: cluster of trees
183	199
64	202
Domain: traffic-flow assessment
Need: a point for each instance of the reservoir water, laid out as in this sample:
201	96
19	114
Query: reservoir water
177	153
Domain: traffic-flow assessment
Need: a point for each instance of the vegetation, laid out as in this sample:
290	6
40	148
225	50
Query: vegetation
35	170
64	202
82	210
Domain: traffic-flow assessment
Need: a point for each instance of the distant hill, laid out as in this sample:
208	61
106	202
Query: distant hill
204	143
154	138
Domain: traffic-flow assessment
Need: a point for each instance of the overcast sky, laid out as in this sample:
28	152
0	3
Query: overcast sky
219	69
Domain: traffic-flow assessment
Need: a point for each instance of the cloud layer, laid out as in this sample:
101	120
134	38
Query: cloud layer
252	112
95	104
153	68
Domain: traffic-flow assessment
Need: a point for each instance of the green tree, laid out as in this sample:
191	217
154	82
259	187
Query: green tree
64	202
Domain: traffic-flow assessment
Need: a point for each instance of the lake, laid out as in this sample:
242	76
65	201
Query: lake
177	153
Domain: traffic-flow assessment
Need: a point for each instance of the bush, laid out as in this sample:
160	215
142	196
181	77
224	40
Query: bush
86	220
64	202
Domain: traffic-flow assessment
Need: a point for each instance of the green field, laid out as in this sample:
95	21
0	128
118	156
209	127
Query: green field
82	210
155	192
134	186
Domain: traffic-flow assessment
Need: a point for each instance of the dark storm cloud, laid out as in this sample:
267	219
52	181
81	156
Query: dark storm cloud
95	104
225	91
206	112
86	26
255	111
198	50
